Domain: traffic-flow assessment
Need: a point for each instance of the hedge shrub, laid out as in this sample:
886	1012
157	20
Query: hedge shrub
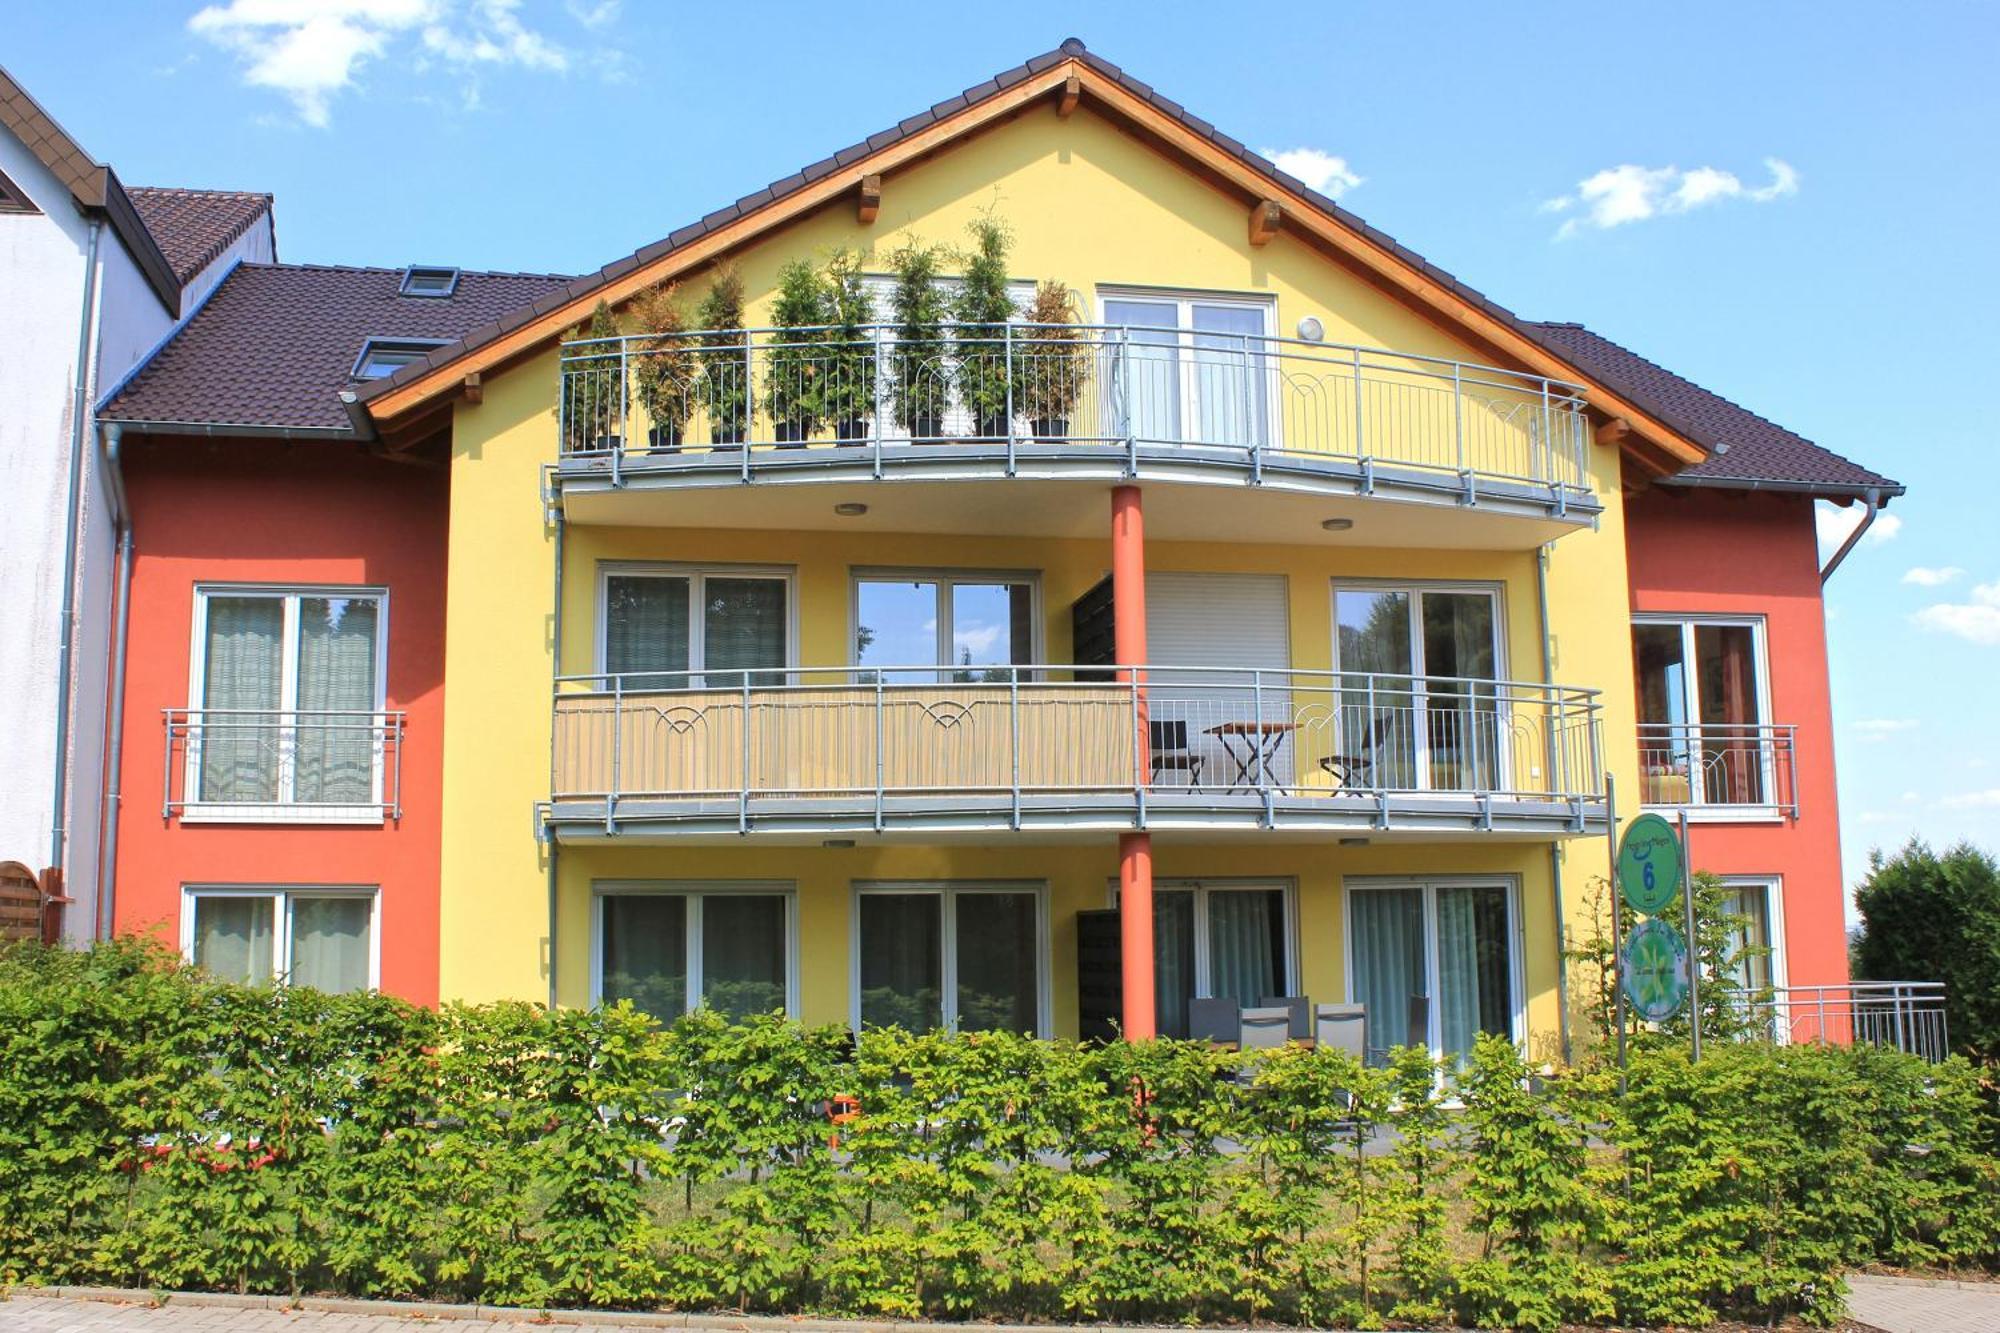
160	1129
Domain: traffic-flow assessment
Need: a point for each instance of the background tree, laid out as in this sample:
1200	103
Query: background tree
1926	917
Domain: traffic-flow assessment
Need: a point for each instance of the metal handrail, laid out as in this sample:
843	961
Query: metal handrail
1005	730
1908	1016
1720	764
277	759
722	397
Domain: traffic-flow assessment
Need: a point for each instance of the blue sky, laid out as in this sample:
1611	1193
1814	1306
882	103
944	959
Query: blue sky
1793	204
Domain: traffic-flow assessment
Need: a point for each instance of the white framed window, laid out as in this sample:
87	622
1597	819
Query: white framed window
288	688
973	623
431	281
320	936
380	357
960	956
1226	939
1416	710
671	947
1757	947
955	420
1199	369
1436	960
671	626
1703	686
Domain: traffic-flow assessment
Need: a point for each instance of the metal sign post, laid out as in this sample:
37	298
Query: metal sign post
1617	923
1694	953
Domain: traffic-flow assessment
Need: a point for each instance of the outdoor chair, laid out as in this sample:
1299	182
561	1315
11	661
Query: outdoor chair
1265	1029
1214	1020
1168	740
1342	1027
1300	1009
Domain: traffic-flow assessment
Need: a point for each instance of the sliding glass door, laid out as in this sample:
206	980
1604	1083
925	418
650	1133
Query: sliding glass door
1702	737
1227	941
1196	370
1435	963
1419	709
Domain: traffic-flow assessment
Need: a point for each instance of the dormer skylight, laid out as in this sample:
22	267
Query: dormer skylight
424	280
386	356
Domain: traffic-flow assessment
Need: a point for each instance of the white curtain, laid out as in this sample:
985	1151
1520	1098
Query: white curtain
1474	968
1388	948
330	943
336	755
1245	937
242	683
233	937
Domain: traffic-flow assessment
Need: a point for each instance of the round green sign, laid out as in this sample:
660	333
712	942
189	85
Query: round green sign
1655	970
1649	864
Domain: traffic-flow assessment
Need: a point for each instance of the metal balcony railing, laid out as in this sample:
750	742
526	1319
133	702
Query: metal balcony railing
278	763
1718	765
1907	1016
705	395
999	732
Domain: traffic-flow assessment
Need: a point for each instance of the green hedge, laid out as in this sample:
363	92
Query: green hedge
158	1129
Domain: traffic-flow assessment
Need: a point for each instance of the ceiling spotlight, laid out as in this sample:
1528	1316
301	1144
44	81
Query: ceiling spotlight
1336	524
850	509
836	842
1354	842
1311	330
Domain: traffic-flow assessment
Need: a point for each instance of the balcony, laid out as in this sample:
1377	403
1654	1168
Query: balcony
1064	750
1332	427
1906	1016
244	766
1719	770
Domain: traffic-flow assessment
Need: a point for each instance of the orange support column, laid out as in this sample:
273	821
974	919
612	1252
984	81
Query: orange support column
1135	850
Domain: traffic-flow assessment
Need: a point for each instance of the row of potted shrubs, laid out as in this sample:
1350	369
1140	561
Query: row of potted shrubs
951	346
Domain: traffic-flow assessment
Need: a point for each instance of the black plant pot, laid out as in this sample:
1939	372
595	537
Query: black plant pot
725	432
992	426
791	434
927	429
665	438
851	430
1051	430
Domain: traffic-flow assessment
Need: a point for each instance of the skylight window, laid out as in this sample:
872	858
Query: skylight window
386	356
421	281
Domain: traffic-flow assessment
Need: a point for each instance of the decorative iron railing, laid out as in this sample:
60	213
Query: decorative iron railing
1907	1016
274	763
1718	764
733	399
999	731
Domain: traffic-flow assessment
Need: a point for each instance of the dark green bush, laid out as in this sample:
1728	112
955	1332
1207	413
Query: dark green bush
160	1129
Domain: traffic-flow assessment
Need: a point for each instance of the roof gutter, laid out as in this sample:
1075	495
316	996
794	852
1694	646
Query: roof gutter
1825	490
227	430
1873	499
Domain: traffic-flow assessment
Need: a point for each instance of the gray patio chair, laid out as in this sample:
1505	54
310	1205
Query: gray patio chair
1342	1027
1214	1020
1300	1009
1265	1029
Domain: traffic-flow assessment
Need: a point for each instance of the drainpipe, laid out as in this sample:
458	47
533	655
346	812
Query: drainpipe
1872	499
1135	850
1555	848
556	648
79	407
114	707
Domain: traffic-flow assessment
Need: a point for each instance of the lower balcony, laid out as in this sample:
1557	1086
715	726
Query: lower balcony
812	754
296	766
1719	771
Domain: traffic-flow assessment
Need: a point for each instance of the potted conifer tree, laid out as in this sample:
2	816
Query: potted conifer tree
794	364
921	362
1052	362
594	390
850	355
663	367
980	313
724	358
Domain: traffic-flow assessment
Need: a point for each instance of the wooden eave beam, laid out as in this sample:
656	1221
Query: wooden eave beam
868	200
1267	218
1613	432
1072	93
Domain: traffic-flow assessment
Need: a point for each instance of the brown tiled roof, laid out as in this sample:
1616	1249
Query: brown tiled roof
192	227
274	346
1746	452
94	186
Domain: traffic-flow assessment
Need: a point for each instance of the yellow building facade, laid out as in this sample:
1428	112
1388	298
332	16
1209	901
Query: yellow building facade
1092	203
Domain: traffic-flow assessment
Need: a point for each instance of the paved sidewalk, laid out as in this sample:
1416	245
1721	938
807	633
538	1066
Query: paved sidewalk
1920	1305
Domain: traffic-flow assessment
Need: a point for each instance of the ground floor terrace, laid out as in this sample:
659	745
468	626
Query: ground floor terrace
1437	942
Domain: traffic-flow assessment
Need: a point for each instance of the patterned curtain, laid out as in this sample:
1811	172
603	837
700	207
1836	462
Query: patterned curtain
243	669
336	755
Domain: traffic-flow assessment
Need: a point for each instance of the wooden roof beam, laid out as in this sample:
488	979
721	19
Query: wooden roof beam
868	200
1267	218
1072	93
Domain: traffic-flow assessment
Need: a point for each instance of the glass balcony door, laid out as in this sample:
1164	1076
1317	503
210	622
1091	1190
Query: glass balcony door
1434	963
1702	719
660	624
1193	370
1417	711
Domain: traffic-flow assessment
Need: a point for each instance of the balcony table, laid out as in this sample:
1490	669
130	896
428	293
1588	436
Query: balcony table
1259	745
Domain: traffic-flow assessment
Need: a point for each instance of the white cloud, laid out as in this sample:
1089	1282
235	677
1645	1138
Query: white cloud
1976	620
1973	800
1322	171
1882	728
1628	193
593	15
979	638
310	51
1836	522
1923	577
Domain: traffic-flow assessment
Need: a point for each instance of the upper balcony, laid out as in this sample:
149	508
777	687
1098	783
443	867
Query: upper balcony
814	418
1739	771
802	754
